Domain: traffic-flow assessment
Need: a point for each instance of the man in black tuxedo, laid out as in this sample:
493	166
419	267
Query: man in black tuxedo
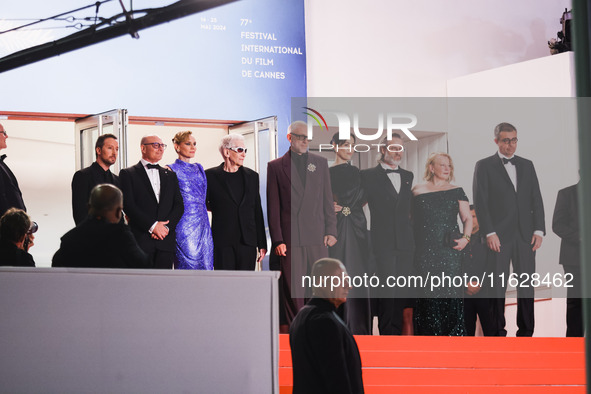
153	203
510	212
106	149
233	198
324	354
10	193
389	196
565	223
102	240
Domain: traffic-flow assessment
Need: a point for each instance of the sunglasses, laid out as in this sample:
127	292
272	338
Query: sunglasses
239	149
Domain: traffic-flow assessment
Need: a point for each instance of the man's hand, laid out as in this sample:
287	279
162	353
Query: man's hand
281	250
160	230
262	253
329	240
536	241
337	207
493	243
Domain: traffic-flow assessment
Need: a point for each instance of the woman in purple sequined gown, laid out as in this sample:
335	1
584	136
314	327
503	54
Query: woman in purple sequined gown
194	245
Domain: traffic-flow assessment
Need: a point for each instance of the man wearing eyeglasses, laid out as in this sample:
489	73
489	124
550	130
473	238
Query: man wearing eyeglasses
233	197
510	212
302	222
10	193
152	203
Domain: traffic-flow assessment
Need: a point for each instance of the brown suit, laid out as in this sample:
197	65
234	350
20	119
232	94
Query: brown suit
299	216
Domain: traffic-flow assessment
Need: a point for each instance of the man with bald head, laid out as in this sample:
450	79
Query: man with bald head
102	240
324	353
153	203
10	193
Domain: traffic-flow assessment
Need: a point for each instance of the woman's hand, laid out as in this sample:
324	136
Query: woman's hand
337	207
461	243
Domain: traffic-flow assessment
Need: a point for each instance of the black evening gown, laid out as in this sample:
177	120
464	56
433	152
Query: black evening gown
439	311
352	246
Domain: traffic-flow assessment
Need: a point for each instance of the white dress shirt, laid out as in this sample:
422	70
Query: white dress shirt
393	176
154	176
511	170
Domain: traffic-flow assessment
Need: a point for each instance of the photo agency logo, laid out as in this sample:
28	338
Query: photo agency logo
391	119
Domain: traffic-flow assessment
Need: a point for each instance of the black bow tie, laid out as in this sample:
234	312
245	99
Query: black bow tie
391	171
156	166
511	160
2	157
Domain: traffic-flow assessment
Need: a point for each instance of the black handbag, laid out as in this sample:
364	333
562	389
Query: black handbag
450	238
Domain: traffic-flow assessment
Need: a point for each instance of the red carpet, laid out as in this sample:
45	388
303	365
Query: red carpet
462	365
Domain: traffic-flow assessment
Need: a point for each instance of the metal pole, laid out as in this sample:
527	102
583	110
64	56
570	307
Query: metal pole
92	36
581	36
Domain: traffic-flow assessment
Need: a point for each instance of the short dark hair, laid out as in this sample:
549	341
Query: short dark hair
335	139
104	198
503	127
100	141
14	224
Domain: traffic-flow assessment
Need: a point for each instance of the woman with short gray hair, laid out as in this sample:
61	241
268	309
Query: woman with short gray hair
233	198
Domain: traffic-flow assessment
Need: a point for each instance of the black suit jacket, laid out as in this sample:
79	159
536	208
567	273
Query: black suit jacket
10	255
10	193
83	182
247	213
143	210
97	244
391	228
565	223
324	354
499	207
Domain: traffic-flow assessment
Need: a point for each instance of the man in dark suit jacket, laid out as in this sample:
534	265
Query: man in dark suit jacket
510	212
102	240
233	198
107	149
10	193
388	190
153	203
324	354
565	223
301	217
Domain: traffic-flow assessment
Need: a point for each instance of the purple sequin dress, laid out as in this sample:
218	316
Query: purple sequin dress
194	245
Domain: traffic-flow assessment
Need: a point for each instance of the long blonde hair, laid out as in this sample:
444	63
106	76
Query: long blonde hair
431	161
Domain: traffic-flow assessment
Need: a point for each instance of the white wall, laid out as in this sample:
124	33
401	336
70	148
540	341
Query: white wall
460	48
42	156
547	136
207	137
411	48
